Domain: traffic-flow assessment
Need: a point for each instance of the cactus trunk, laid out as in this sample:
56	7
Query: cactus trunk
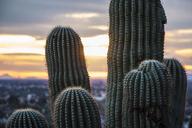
65	61
179	79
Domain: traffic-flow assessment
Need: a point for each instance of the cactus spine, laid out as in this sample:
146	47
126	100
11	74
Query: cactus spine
179	79
136	33
65	61
75	108
146	97
27	118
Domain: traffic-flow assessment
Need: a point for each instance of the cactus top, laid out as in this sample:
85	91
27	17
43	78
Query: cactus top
150	65
27	118
75	108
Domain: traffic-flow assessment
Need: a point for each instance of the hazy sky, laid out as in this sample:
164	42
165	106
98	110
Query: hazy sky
24	25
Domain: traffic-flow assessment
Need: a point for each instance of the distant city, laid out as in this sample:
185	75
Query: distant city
33	93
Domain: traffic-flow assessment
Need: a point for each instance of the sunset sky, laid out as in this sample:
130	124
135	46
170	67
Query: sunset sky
25	24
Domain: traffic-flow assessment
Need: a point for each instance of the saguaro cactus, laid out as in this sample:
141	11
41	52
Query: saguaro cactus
179	79
136	33
65	61
146	97
75	108
27	118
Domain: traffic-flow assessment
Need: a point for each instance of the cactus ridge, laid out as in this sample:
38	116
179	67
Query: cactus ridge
179	79
75	108
136	33
145	96
26	118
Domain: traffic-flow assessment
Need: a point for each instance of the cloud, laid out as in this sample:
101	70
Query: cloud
21	44
34	65
188	67
178	13
22	62
178	44
81	15
96	41
32	20
100	27
187	53
93	46
36	17
179	39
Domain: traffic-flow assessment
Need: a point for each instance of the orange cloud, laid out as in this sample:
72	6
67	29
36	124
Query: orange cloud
184	31
184	53
188	67
93	46
81	15
25	74
98	74
34	65
179	36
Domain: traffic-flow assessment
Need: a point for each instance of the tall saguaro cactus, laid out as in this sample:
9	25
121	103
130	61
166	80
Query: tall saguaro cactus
179	79
65	61
27	118
136	33
146	97
75	108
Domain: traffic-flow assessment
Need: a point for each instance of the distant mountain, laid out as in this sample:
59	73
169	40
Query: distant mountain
6	76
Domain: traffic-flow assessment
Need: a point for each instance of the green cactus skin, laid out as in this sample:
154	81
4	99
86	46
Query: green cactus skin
136	33
179	86
75	108
146	97
65	61
26	118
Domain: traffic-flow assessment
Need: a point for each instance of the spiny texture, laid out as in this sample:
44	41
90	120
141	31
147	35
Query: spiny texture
136	33
65	61
160	69
75	108
179	79
146	97
27	118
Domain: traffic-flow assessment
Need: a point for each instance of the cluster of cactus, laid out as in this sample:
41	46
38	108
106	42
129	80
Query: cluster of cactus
65	61
71	104
75	108
27	118
142	92
136	33
146	96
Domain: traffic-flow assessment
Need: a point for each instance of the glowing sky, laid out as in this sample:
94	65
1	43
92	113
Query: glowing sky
24	25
